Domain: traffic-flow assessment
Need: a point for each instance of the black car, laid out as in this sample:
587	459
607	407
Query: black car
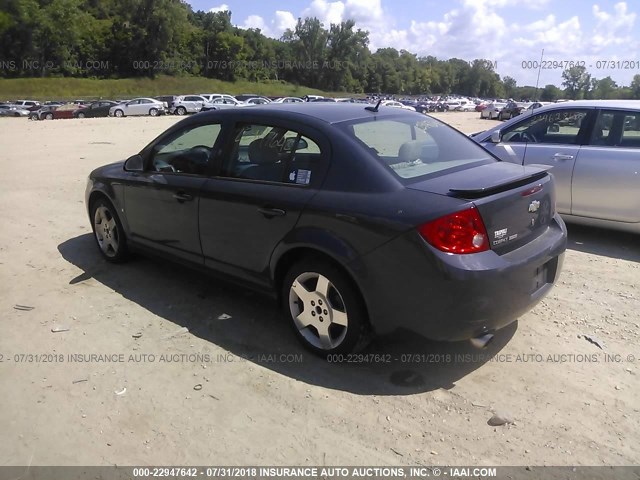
358	221
96	109
510	110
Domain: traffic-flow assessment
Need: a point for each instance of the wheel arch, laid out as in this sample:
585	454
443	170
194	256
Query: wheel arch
295	254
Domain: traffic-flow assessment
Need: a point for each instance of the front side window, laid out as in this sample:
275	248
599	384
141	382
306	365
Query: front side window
188	151
555	127
417	147
273	154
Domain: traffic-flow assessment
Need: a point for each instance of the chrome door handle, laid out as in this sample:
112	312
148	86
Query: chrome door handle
562	156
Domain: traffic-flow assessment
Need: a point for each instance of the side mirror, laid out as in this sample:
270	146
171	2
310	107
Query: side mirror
134	164
496	137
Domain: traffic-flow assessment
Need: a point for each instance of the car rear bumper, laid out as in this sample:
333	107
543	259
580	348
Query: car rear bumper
408	284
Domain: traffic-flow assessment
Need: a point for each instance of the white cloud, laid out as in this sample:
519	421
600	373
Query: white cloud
273	28
221	8
612	28
479	29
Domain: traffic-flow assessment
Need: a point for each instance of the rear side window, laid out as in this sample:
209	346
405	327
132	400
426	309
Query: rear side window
274	154
616	129
417	147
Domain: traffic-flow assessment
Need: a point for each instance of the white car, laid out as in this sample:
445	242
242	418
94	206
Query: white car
210	97
224	102
188	104
394	104
492	111
138	106
465	107
289	100
25	104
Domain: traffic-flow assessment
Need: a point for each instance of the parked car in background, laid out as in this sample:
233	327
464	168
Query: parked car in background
311	98
30	105
222	103
492	111
8	110
188	104
465	107
168	100
209	97
257	101
395	104
96	109
593	150
247	96
288	100
324	99
54	112
510	110
41	112
346	255
138	106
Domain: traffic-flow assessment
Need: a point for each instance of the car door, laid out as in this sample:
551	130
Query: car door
550	138
162	204
606	177
270	172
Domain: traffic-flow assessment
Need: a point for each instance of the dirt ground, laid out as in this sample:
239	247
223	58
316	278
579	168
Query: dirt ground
213	374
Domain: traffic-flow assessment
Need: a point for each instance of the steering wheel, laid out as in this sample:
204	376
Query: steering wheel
528	137
200	148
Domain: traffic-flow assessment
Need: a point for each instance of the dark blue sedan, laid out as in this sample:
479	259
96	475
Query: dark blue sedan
358	220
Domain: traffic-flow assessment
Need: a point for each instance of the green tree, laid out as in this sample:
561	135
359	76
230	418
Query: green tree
510	85
550	93
635	87
576	82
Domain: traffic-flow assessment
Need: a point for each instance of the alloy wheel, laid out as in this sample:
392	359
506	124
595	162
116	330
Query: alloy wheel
106	230
318	310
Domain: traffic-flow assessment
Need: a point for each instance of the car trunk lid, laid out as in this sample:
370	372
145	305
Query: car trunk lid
516	203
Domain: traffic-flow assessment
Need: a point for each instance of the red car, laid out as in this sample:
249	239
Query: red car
54	112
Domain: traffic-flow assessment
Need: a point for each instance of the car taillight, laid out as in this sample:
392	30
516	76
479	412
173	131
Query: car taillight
459	232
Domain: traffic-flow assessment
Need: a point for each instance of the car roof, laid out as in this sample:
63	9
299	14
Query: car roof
625	104
330	113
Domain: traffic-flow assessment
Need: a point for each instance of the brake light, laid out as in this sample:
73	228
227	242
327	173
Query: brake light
459	232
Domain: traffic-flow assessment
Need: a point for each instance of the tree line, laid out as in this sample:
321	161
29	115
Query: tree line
146	38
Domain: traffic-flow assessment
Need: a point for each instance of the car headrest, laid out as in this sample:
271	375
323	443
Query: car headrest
260	153
410	151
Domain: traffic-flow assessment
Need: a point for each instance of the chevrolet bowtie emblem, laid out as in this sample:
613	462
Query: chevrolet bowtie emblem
534	206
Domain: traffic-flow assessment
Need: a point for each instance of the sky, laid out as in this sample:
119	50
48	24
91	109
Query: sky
604	36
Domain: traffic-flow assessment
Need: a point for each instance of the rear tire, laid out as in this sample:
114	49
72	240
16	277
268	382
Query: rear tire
324	308
81	115
108	231
49	116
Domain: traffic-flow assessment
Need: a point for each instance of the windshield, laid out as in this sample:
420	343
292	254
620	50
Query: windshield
413	147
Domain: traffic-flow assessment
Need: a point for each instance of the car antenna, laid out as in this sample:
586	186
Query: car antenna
374	109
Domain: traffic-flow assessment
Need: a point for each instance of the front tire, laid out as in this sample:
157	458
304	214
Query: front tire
108	231
81	115
153	112
49	116
119	113
325	309
181	111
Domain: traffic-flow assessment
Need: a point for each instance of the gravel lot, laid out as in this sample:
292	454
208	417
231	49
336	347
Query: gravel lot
236	389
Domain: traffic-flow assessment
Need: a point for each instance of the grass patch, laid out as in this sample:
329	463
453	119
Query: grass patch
89	88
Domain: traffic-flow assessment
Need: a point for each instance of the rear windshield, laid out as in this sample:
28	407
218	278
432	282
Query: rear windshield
413	147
